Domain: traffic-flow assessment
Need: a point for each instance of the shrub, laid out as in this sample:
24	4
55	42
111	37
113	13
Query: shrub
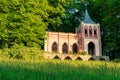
116	60
83	53
22	52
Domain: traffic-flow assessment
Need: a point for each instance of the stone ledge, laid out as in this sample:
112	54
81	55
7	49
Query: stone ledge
75	57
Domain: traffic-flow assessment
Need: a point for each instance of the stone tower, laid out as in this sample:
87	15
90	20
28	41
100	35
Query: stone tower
89	38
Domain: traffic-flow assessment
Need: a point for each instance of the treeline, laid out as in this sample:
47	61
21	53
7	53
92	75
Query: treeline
25	22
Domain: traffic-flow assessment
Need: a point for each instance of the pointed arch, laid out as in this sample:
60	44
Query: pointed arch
95	31
86	31
91	48
90	31
78	58
68	58
91	59
54	47
65	48
102	59
75	48
56	57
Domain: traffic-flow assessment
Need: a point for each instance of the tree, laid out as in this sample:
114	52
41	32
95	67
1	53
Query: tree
74	12
25	22
108	16
56	13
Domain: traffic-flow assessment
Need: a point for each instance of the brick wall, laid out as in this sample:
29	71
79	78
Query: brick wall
60	38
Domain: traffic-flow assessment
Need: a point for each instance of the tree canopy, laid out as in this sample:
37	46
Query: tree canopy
108	15
25	21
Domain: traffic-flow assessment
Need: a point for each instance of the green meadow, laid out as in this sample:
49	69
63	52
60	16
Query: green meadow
26	63
43	69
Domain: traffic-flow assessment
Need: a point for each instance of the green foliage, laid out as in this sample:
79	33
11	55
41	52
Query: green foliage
117	60
73	15
25	22
83	53
56	13
108	16
21	52
58	70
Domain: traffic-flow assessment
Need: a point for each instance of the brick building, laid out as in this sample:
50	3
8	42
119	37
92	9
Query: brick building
87	38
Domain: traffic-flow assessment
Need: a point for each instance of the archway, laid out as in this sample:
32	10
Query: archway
78	58
91	48
68	58
75	48
91	59
56	57
54	47
102	59
65	48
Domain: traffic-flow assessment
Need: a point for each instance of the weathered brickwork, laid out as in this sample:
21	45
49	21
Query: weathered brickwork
60	38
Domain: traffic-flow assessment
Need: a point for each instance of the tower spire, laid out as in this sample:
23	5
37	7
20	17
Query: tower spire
87	18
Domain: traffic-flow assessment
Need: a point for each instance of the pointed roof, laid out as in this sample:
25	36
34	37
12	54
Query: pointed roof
87	18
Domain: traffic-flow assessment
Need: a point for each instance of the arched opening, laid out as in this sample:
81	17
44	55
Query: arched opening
91	48
86	31
78	58
56	57
95	32
102	59
65	48
54	47
68	58
75	48
91	59
90	31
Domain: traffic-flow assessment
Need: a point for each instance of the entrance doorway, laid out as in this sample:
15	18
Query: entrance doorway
91	48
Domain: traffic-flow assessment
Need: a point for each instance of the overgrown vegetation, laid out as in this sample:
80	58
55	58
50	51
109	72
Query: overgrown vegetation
25	21
11	69
23	63
21	52
83	53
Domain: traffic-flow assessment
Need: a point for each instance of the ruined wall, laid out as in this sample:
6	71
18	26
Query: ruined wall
60	38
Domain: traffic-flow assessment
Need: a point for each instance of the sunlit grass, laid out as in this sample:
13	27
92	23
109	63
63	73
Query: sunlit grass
12	69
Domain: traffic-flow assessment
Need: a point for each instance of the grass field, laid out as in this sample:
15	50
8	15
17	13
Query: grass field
11	69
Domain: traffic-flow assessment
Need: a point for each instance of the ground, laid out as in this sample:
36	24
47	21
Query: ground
12	69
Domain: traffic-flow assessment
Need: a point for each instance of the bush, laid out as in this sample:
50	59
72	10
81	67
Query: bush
22	52
116	60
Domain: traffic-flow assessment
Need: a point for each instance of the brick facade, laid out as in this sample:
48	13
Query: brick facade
87	38
60	38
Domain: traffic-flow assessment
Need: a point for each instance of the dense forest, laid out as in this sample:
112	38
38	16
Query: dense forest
25	22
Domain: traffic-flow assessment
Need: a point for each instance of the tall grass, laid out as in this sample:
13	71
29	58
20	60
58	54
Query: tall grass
12	69
22	63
